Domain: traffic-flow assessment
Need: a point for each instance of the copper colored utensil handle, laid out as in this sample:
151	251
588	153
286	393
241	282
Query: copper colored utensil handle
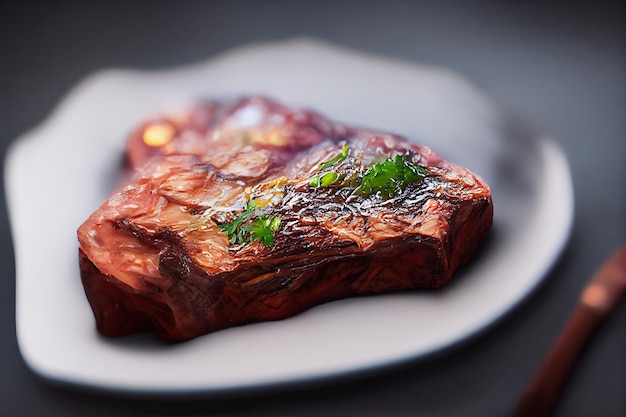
596	302
545	388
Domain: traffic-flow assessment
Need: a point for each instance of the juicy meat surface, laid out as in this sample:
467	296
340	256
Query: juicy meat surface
253	211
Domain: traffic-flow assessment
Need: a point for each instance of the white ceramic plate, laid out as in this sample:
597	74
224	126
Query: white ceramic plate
57	174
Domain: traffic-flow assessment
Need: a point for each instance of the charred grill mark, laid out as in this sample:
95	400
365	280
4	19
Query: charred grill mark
202	293
157	238
141	234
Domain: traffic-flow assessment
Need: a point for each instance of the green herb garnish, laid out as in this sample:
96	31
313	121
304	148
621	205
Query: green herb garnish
329	178
263	229
324	180
341	157
391	177
241	232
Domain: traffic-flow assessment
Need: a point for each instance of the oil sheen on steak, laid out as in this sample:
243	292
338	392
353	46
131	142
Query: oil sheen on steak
157	256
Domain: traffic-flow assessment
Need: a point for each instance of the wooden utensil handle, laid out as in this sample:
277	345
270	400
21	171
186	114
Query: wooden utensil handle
544	390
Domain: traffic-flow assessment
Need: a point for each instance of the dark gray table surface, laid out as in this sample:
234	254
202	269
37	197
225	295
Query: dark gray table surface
561	66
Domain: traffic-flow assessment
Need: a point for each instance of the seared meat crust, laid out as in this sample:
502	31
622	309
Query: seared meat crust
156	257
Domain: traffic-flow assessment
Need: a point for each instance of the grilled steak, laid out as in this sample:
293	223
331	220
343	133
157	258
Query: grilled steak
254	211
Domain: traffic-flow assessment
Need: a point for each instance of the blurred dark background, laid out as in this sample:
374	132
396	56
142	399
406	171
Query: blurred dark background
559	65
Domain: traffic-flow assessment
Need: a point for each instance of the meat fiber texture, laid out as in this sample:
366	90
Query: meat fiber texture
163	253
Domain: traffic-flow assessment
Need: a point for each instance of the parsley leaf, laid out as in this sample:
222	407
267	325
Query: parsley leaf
331	177
390	177
241	232
339	158
324	180
263	229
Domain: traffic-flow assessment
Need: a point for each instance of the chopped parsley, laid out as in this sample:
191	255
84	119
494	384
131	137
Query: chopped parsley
339	158
387	178
263	229
390	177
243	230
324	180
329	178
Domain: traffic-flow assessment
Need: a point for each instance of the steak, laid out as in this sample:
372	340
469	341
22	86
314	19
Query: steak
253	211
